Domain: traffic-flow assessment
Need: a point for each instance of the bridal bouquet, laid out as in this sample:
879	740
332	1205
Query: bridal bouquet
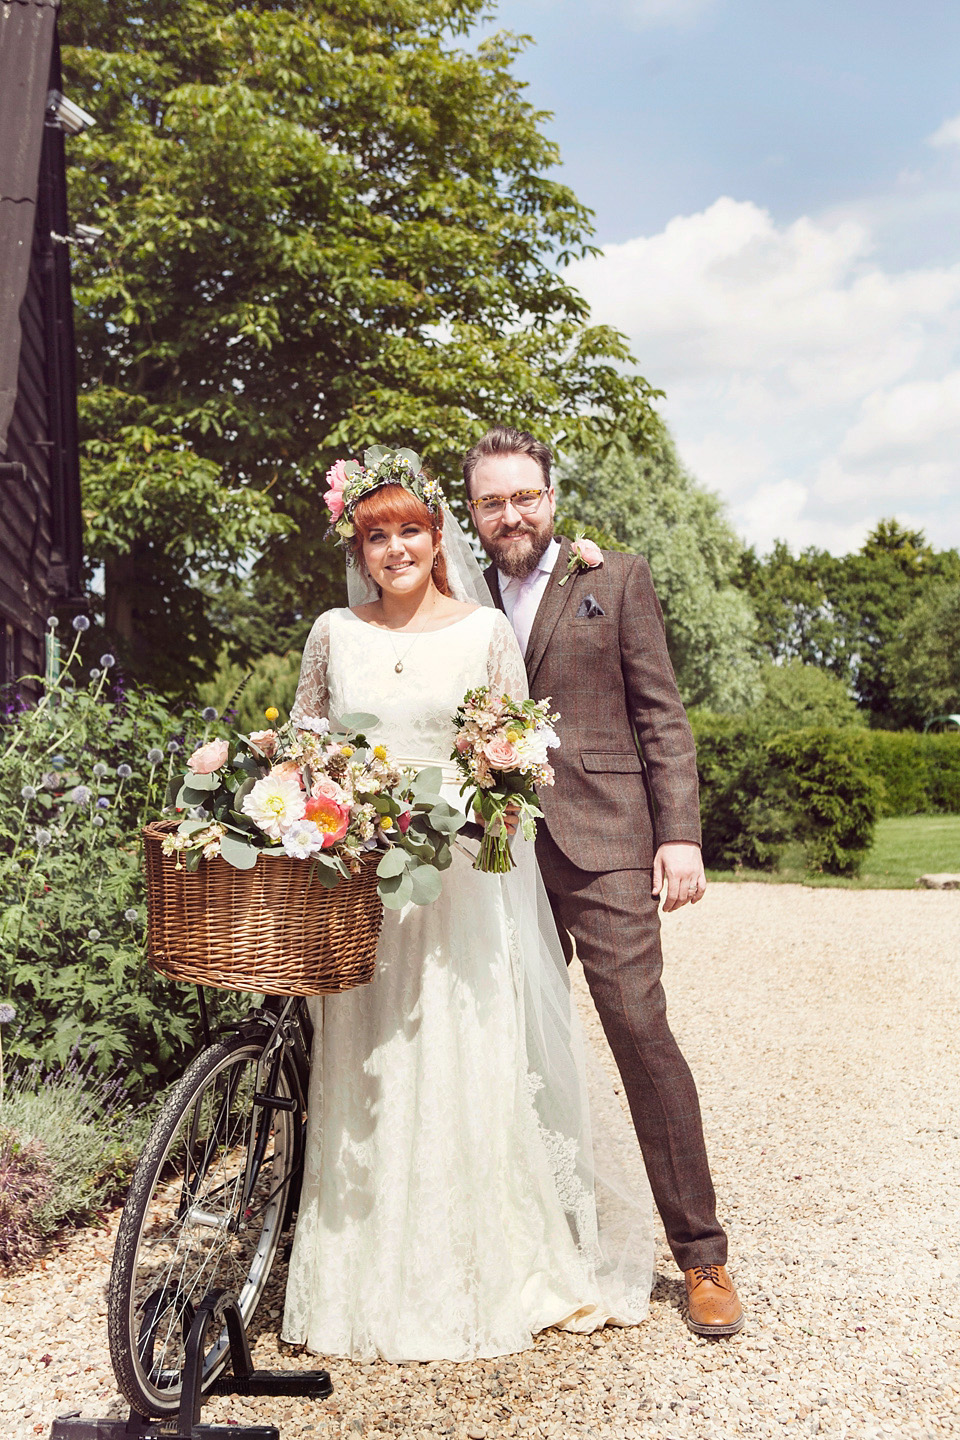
501	750
321	795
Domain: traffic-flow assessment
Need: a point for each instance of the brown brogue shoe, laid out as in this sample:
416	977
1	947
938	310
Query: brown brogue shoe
713	1306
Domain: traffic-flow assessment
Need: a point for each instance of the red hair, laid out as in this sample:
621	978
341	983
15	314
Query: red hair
394	504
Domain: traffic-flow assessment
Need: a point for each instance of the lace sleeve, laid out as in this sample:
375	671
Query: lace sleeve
506	672
313	695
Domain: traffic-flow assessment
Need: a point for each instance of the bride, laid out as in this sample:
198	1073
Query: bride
451	1204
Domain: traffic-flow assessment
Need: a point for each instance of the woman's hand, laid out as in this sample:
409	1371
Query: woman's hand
511	818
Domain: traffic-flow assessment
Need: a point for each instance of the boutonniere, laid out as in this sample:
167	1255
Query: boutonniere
584	555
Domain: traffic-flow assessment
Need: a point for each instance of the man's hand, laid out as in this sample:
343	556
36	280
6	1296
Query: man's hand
680	864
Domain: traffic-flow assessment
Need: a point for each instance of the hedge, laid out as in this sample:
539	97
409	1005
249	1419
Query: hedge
920	773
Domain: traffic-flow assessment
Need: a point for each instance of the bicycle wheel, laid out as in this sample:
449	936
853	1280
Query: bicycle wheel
206	1208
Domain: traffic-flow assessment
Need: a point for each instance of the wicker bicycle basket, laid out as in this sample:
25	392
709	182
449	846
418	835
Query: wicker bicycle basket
272	928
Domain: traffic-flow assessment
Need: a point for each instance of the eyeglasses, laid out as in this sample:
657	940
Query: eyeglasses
489	506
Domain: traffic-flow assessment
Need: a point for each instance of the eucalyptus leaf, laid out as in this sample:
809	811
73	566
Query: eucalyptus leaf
202	782
396	890
327	875
359	720
192	796
427	781
394	862
425	885
238	853
242	792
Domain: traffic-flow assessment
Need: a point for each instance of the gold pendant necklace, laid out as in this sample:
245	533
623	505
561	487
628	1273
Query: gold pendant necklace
398	668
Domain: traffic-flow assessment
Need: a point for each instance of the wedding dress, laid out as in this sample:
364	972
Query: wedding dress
450	1206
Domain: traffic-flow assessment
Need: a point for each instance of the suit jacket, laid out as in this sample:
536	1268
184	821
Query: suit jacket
626	768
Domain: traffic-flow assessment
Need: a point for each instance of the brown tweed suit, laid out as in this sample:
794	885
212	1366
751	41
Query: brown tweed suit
611	679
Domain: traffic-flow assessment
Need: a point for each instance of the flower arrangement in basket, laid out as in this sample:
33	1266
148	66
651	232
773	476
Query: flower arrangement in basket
278	810
501	750
314	794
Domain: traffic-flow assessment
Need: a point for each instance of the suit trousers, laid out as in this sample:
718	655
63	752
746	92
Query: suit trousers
615	923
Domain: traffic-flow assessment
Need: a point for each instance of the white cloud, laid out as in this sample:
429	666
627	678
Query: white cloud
948	134
817	390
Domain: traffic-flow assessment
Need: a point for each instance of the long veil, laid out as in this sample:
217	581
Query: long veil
592	1146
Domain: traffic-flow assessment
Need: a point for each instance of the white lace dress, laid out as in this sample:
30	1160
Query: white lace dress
440	1217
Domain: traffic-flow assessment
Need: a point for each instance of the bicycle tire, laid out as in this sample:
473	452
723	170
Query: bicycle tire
182	1234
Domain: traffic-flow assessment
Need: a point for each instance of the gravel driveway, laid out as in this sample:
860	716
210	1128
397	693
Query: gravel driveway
822	1026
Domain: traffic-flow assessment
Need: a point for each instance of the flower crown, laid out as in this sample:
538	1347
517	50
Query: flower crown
349	482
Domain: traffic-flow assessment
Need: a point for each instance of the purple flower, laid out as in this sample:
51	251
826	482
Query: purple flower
81	623
108	660
80	795
7	1013
103	803
154	755
27	792
124	772
99	770
209	714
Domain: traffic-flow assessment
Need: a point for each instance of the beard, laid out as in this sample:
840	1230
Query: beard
519	557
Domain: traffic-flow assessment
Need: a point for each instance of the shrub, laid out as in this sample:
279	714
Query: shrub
268	680
68	1143
941	754
896	758
797	696
836	798
79	774
745	815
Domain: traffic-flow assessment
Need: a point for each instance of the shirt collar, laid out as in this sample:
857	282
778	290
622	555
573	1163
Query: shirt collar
545	564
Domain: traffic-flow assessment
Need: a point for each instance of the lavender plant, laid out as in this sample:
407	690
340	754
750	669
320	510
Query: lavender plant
79	773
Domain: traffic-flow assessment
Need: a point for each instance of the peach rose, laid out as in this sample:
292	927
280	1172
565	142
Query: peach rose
209	757
327	789
464	743
502	754
290	768
329	817
265	741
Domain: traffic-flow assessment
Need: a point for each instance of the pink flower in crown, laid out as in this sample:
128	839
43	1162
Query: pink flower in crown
336	479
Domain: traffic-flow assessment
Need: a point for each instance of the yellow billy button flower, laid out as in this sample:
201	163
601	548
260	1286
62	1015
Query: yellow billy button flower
380	751
513	736
272	713
346	750
385	822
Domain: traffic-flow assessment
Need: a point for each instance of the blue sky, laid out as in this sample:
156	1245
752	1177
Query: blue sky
777	193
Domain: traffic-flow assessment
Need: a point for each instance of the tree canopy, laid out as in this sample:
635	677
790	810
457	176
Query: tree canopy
649	503
325	224
847	613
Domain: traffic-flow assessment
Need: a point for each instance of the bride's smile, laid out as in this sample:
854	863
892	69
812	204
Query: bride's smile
399	556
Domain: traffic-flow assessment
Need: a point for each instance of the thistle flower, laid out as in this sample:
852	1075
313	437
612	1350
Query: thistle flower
98	820
173	746
124	772
7	1013
27	792
43	837
154	755
93	934
58	761
52	622
208	713
131	915
80	795
103	803
94	673
99	770
81	623
108	660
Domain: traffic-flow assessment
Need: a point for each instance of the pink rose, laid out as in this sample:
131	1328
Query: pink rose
327	789
590	554
209	757
463	744
334	503
336	479
265	741
291	768
502	754
329	817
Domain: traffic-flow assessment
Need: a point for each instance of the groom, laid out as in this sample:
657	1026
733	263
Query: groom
622	823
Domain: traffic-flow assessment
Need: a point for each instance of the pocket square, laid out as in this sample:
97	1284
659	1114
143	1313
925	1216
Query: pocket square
590	608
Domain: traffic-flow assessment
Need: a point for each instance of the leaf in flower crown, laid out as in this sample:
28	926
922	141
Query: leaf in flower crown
373	456
352	467
412	459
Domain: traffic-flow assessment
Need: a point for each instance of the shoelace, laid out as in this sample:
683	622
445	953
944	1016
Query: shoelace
707	1272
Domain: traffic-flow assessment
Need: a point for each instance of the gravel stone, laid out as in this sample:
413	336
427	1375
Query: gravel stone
821	1026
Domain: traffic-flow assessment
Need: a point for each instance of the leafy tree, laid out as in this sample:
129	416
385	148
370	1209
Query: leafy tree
649	503
797	696
324	224
846	614
924	661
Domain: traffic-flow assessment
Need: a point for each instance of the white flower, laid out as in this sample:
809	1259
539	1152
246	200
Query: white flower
317	723
303	839
275	803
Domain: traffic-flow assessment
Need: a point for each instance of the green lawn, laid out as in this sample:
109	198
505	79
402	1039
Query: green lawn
904	848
